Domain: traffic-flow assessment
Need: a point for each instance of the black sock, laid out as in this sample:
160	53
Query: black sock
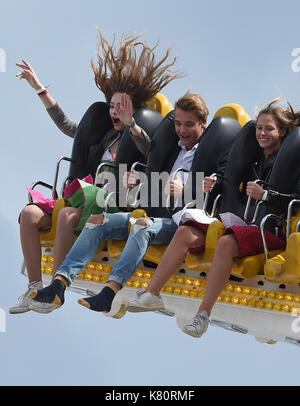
101	302
53	293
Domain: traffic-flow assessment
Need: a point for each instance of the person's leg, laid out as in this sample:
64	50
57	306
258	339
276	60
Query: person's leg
98	229
227	248
185	237
141	235
68	219
107	227
32	220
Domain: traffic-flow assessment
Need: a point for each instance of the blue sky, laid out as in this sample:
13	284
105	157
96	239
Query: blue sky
233	51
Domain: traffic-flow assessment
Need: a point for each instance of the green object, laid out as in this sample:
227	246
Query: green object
90	199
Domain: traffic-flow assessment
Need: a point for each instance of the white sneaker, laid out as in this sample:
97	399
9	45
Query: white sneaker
24	300
145	302
198	325
40	307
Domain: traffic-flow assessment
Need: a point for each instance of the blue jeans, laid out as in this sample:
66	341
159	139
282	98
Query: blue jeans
115	227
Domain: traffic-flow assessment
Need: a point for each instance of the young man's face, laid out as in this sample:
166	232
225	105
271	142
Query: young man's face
188	127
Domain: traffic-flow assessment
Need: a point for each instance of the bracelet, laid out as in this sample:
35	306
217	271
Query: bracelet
43	93
41	90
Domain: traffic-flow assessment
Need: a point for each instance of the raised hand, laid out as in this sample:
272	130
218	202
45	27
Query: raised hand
125	110
29	74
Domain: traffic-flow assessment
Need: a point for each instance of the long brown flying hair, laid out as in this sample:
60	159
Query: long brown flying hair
127	70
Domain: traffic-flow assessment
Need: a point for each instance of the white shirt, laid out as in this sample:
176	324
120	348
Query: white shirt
184	161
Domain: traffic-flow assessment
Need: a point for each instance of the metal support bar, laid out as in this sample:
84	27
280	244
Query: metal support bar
101	166
262	230
37	184
289	216
292	341
54	192
248	206
133	203
173	177
216	201
229	326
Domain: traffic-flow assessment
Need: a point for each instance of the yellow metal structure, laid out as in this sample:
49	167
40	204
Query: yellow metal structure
234	110
49	235
161	104
285	267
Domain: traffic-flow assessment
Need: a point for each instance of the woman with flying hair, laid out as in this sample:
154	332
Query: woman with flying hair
128	77
273	123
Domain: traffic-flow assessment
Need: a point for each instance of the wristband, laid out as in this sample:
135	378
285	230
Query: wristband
41	90
133	123
43	93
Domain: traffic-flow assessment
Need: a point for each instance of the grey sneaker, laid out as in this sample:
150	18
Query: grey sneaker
198	325
40	307
24	300
145	302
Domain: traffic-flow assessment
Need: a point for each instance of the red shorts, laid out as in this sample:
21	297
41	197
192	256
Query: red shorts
248	238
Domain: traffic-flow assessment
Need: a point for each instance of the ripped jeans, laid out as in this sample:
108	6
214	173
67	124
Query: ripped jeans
115	227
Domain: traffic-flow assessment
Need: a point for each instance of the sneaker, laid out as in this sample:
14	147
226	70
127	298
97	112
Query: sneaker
145	302
198	325
24	300
40	307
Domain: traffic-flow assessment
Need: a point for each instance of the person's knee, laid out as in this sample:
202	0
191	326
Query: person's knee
143	221
97	219
142	228
31	215
68	217
183	233
227	244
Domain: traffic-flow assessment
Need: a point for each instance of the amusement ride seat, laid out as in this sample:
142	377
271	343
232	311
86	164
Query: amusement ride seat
245	150
285	267
87	148
95	123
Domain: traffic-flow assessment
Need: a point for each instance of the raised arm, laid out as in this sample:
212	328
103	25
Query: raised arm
56	113
125	112
30	76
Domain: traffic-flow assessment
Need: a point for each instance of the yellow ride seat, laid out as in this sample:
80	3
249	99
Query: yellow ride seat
202	262
234	110
154	252
160	103
116	247
285	267
243	268
49	235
